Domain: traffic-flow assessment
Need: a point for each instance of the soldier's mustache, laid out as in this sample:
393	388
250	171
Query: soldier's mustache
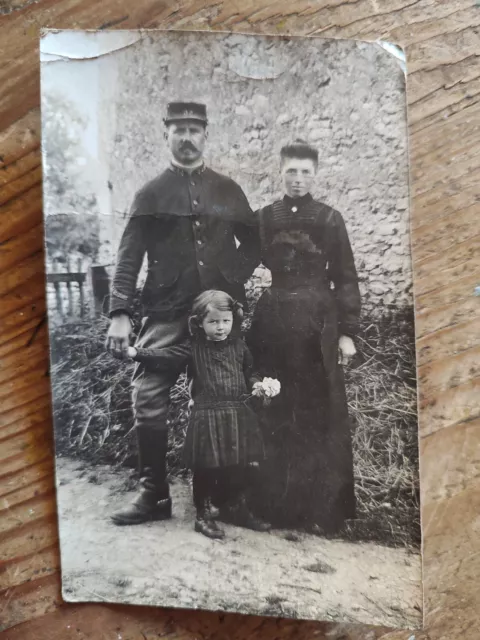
188	145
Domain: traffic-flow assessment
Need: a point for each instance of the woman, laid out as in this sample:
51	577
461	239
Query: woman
301	333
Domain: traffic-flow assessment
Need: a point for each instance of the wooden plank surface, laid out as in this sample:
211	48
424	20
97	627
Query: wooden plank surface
442	42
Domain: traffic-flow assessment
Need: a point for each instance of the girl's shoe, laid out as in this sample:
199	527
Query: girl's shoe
209	528
204	523
240	515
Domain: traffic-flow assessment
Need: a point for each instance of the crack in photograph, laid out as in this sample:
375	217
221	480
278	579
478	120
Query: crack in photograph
230	308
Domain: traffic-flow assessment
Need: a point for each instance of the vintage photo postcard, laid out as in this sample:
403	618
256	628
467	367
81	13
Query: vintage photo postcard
231	323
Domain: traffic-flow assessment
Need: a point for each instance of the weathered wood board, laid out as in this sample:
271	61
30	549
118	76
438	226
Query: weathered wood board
442	41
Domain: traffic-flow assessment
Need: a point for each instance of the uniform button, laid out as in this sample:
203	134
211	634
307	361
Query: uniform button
200	263
294	209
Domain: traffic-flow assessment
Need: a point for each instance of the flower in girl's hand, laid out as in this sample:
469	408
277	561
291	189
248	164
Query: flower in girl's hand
267	388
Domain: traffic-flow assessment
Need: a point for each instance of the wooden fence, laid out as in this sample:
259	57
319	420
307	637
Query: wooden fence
77	293
75	305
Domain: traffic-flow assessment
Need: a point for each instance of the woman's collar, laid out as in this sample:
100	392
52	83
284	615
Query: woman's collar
297	202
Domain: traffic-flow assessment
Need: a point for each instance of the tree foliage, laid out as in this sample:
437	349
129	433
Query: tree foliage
71	221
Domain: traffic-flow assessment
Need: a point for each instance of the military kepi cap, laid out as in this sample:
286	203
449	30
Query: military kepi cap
178	111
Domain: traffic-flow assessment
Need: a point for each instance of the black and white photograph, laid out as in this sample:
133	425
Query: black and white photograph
231	322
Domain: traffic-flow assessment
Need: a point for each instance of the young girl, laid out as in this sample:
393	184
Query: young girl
223	436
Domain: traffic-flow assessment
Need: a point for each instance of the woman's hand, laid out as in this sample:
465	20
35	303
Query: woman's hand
346	350
190	401
131	352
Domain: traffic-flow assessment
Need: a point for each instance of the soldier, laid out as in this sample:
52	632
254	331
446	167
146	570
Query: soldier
186	221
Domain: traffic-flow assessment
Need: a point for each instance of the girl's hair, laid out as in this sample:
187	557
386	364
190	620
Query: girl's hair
300	149
212	299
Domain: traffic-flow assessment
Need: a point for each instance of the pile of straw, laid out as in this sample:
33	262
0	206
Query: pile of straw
94	421
381	392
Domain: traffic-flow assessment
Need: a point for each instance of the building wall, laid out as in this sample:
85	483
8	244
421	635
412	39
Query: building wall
347	98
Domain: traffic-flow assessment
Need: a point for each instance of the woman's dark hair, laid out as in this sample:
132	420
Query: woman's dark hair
212	299
299	149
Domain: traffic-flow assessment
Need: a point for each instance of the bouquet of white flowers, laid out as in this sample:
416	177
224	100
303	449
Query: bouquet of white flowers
267	388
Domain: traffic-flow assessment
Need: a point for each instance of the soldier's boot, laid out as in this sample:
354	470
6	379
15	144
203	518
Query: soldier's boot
153	502
205	523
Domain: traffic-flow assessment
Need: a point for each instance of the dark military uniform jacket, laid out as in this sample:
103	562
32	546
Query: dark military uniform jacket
187	225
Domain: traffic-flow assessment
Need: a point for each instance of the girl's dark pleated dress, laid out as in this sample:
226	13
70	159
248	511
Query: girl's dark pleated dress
223	430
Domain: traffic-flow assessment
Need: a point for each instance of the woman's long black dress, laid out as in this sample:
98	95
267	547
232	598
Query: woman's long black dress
314	298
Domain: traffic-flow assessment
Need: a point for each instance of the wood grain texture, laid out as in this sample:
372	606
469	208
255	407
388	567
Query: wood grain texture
441	38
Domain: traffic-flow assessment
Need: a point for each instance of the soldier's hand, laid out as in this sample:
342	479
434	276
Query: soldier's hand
118	336
346	350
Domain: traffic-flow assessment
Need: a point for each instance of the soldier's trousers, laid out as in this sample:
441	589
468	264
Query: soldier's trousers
150	395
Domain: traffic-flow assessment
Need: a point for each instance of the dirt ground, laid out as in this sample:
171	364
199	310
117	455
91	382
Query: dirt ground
281	573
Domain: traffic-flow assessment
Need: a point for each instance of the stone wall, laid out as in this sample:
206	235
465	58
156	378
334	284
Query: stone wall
347	98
